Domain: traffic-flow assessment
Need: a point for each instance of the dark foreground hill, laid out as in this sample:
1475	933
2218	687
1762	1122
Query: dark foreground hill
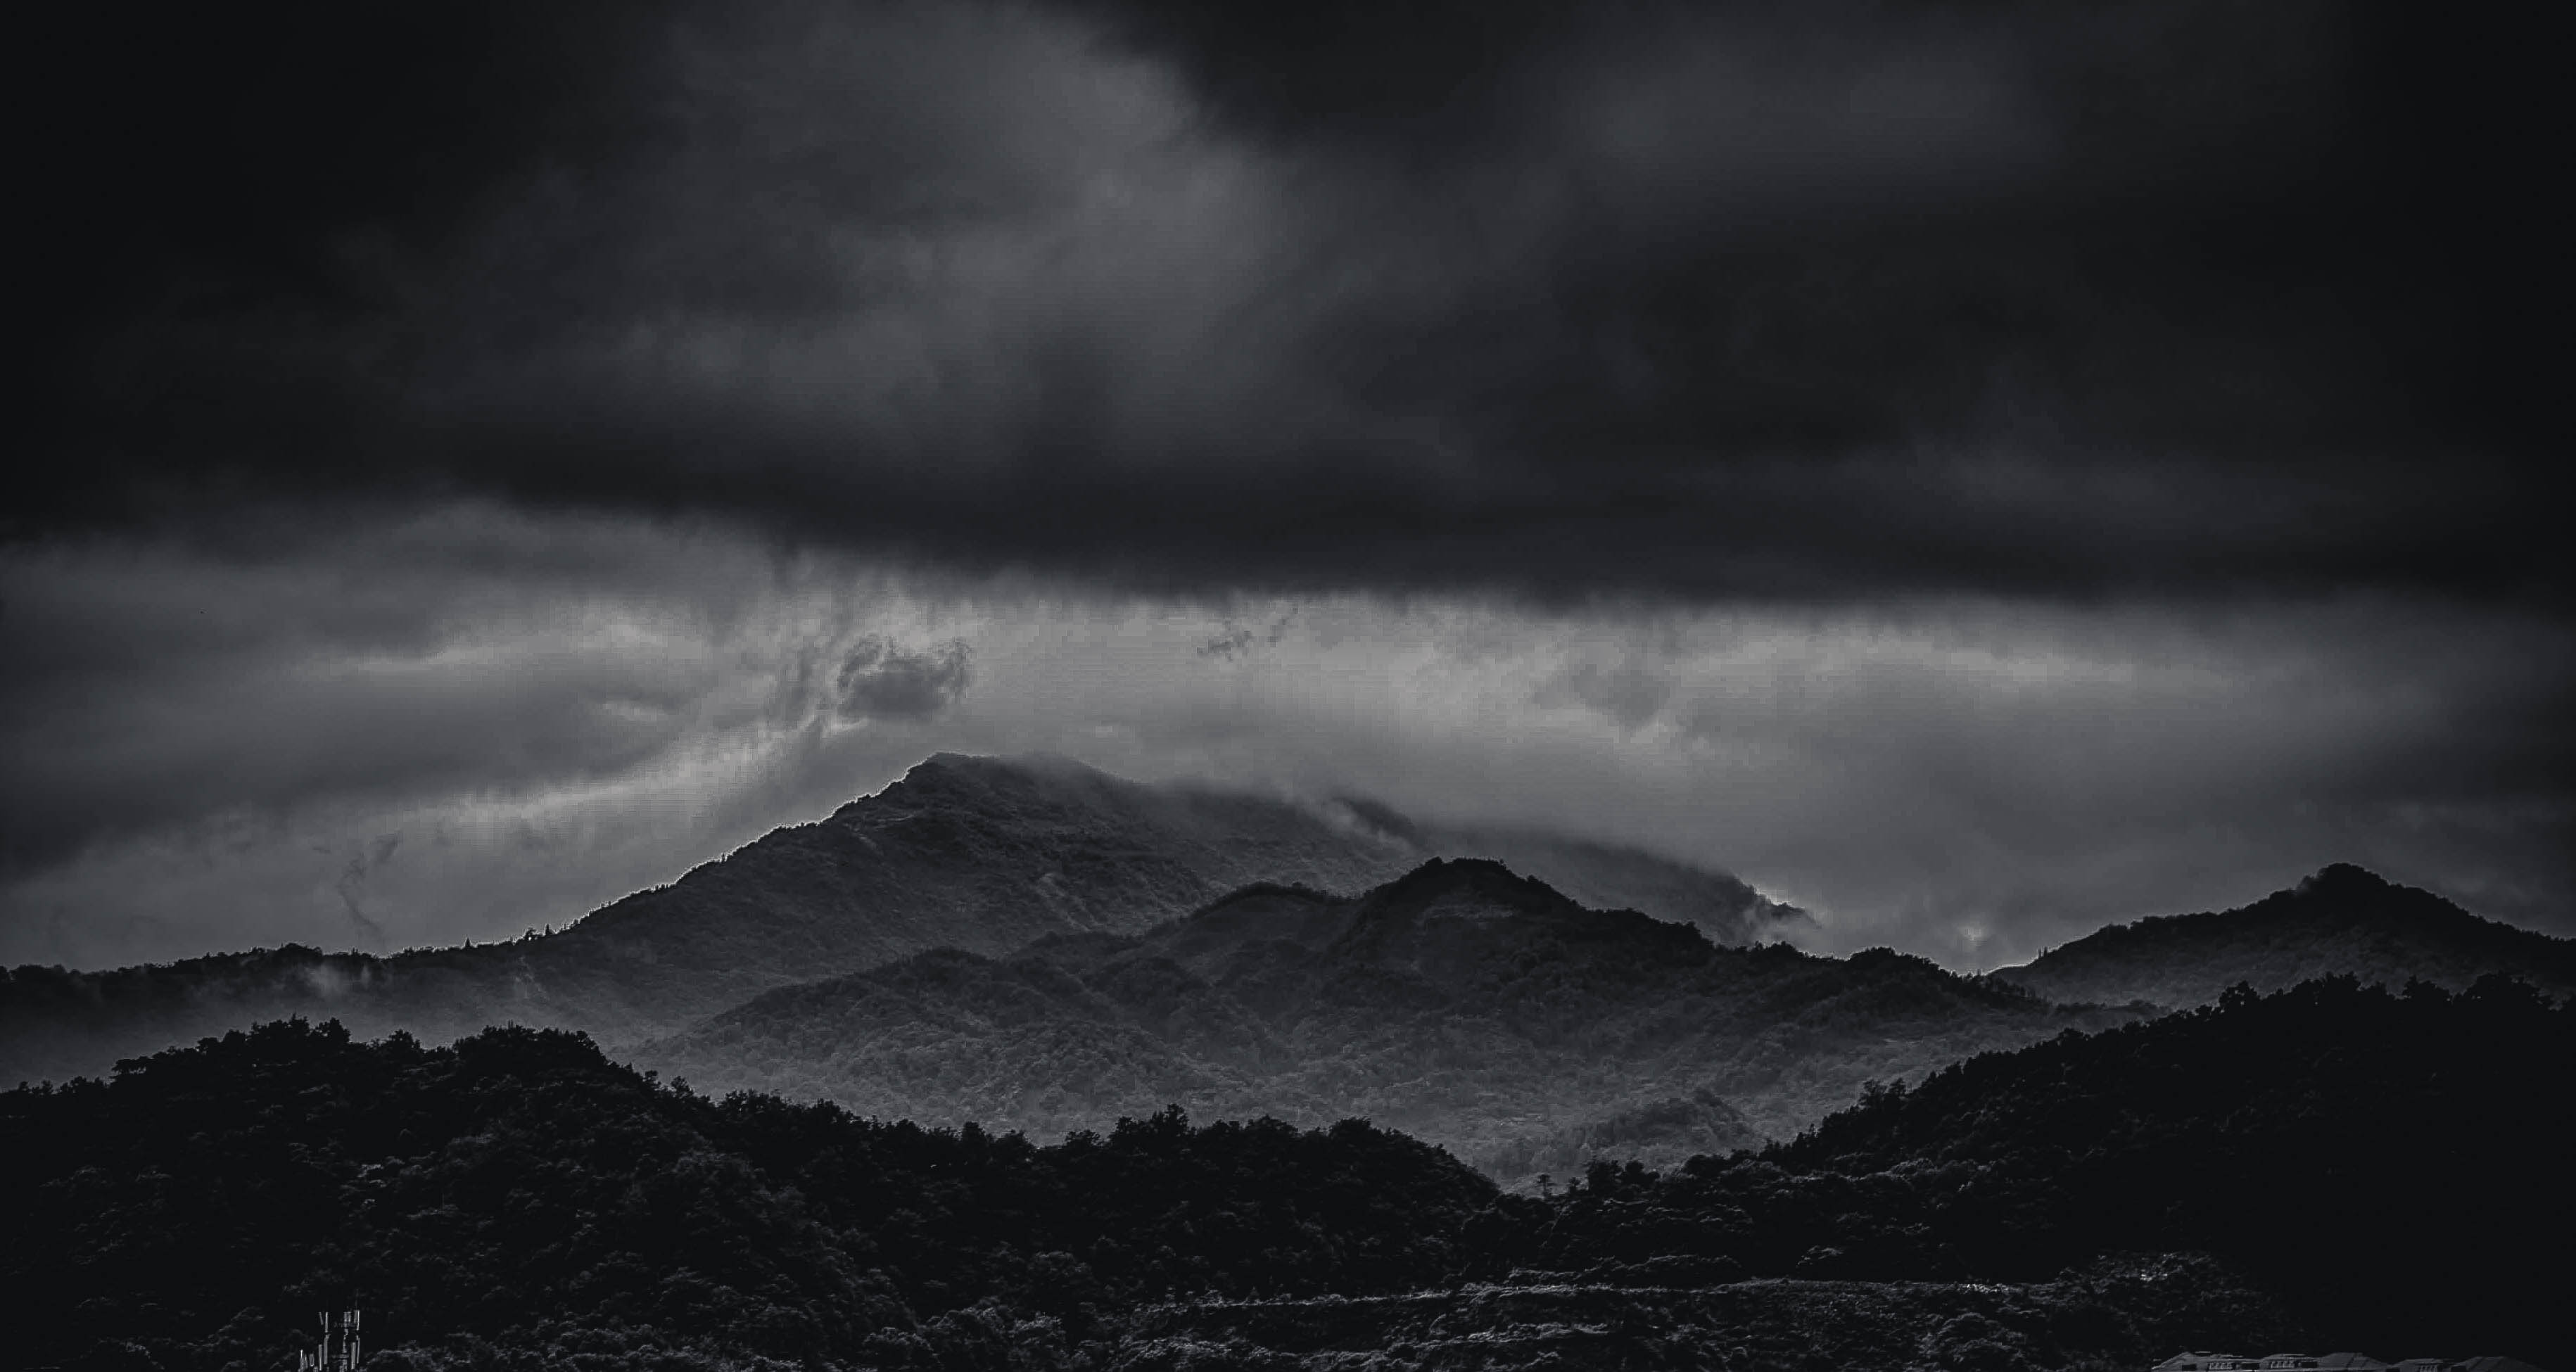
2394	1168
973	853
520	1192
2343	921
1478	1009
2367	1169
519	1203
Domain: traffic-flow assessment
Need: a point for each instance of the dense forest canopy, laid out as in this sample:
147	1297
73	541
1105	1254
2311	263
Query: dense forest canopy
2384	1168
2394	1165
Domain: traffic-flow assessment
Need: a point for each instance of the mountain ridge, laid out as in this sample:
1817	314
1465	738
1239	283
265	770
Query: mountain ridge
2340	920
1475	1007
986	854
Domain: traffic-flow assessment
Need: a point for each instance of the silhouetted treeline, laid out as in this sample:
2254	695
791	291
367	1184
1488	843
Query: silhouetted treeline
206	1196
2397	1167
2389	1166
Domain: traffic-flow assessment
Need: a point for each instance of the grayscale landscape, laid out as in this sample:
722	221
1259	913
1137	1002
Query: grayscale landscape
1006	685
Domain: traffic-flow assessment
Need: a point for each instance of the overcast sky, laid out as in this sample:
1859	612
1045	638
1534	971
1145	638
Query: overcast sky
1975	470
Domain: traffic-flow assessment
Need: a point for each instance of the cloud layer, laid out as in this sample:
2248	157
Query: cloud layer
1808	302
467	723
1975	469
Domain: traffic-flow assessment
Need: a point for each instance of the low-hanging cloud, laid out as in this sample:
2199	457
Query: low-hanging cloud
1629	692
880	680
1972	778
460	681
352	886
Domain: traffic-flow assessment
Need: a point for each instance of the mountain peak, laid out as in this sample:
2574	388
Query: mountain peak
997	784
2344	879
984	853
1458	914
1443	880
2343	920
990	767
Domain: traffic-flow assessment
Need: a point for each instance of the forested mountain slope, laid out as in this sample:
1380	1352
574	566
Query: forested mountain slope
1474	1007
974	853
2331	1166
517	1203
520	1190
2394	1167
2342	921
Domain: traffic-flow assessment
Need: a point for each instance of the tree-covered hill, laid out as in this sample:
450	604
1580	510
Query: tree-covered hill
520	1189
980	854
2335	1165
517	1203
2395	1167
2341	921
1474	1007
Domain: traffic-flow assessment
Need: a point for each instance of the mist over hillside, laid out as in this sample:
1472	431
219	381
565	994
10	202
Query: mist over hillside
978	854
1473	1007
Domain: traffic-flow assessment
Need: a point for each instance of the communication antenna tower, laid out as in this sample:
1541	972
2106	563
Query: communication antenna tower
338	1351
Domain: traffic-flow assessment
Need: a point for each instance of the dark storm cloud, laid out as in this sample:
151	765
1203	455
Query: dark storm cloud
1240	641
156	685
352	886
1815	301
451	723
882	680
1628	694
433	408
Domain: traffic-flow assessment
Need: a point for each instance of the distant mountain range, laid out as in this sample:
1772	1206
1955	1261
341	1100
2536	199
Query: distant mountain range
979	854
1467	1005
1032	944
992	956
2342	921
